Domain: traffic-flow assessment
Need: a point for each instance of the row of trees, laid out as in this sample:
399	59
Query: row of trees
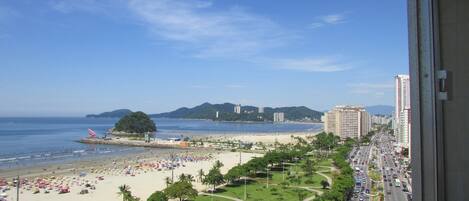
183	189
344	182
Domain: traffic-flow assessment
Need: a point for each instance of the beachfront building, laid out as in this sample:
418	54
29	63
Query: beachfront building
217	115
402	110
347	121
237	109
279	117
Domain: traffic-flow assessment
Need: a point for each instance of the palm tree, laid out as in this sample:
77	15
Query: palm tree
218	164
124	190
182	177
201	175
168	181
190	178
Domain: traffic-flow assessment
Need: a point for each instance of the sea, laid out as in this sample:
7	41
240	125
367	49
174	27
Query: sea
34	141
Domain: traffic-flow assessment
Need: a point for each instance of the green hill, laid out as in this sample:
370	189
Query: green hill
114	114
248	113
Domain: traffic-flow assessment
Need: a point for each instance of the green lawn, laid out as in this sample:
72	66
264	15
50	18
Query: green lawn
257	190
209	198
326	162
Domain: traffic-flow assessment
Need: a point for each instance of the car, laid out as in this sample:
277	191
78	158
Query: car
388	192
390	183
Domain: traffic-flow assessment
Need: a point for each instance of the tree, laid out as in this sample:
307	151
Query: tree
308	167
234	173
136	122
168	181
324	184
218	164
201	175
186	177
158	196
181	190
214	177
124	190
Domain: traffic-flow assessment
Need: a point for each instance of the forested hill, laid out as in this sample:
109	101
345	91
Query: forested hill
113	114
248	113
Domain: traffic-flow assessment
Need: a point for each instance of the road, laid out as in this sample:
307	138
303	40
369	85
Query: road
391	169
380	153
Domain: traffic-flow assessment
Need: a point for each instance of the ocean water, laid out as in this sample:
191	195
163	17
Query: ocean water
31	141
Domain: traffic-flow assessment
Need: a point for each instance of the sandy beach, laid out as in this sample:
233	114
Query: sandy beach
143	180
266	138
144	172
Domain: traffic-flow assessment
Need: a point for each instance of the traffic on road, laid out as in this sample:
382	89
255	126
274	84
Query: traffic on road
380	171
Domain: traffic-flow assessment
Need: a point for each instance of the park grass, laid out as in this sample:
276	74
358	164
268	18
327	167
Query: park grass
257	188
209	198
325	162
258	191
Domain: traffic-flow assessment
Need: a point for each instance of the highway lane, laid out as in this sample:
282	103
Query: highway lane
360	162
391	170
361	157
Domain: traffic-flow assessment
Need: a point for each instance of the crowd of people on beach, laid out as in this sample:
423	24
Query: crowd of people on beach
86	181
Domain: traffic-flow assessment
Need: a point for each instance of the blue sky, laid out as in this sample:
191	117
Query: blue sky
73	57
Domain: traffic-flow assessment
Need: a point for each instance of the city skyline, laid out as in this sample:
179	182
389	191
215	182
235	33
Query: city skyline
92	56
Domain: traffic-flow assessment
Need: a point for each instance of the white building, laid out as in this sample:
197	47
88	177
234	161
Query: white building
237	109
347	121
380	119
279	117
402	113
217	115
261	110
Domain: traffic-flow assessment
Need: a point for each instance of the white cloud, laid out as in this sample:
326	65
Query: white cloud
230	33
313	64
201	31
328	20
333	19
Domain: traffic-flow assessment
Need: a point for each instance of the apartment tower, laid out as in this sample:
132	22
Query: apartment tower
347	121
402	113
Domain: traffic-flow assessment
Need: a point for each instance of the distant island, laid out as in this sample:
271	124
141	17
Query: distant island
135	123
113	114
226	113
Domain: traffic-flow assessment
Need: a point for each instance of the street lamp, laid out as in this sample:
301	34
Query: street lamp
245	190
283	171
172	167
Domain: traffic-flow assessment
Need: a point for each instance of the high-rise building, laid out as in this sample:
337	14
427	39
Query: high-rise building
347	121
381	119
279	117
402	113
216	115
261	110
237	109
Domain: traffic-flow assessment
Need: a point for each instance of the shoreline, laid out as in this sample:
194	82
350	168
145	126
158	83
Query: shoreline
144	172
105	176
